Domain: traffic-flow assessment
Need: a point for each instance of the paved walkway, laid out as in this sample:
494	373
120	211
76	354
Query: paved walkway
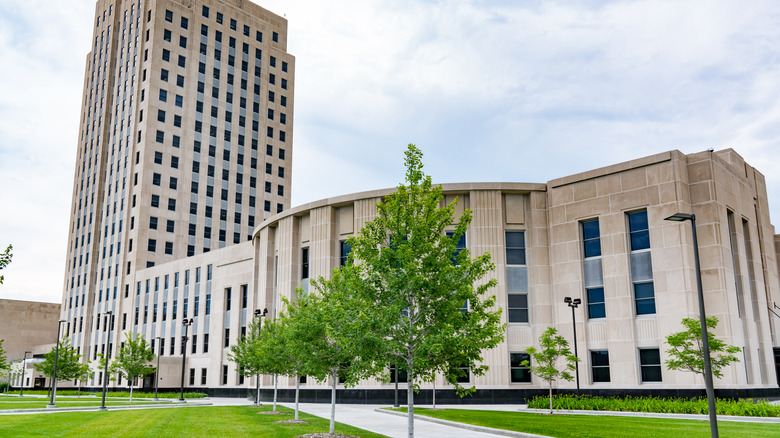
395	426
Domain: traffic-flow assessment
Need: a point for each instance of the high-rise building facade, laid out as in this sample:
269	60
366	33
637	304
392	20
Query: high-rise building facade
184	146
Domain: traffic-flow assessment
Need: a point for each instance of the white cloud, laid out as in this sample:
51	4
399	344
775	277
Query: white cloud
490	90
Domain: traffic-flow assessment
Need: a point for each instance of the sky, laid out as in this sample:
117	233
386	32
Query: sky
521	91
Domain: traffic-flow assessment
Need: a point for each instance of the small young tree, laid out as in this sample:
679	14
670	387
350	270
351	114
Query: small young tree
260	352
416	281
69	364
340	339
133	360
553	347
687	354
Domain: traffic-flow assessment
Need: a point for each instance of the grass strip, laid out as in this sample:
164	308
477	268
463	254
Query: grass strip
597	426
216	421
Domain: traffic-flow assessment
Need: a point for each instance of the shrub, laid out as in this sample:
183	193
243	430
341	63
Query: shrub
746	407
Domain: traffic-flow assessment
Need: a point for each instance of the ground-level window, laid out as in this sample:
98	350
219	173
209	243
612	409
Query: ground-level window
520	373
650	364
599	365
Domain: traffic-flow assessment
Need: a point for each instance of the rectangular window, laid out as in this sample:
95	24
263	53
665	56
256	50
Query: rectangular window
208	304
227	338
192	376
592	268
304	263
599	366
650	364
344	252
244	297
203	376
194	344
641	264
228	298
517	276
206	343
403	375
519	372
224	374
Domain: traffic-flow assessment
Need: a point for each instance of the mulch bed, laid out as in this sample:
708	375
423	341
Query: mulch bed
273	413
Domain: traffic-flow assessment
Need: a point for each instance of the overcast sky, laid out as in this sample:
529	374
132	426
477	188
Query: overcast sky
497	90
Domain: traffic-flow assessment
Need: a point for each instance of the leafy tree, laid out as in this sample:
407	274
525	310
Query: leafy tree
5	259
417	282
133	360
553	347
4	364
260	352
339	339
69	364
687	352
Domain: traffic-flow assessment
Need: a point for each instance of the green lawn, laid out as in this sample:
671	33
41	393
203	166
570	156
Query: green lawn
597	425
235	421
37	403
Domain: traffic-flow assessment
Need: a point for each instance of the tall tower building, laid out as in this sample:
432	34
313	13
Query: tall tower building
184	146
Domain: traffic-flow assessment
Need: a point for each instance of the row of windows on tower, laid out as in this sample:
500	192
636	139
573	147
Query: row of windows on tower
205	12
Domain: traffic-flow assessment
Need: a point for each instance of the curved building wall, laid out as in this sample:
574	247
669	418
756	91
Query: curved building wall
634	291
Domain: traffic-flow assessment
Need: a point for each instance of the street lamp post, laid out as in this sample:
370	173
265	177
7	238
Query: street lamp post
54	374
259	314
573	303
24	372
107	353
186	323
681	217
157	370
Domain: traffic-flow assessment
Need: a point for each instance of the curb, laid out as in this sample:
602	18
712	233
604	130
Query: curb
734	418
499	432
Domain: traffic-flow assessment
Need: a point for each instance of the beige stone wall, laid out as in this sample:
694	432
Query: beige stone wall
710	185
25	325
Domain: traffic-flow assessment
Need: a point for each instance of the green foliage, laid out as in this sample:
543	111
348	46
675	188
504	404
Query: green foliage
4	364
133	360
687	352
553	347
69	366
749	407
5	259
412	272
415	282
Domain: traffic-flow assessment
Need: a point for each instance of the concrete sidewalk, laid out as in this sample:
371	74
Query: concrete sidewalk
393	425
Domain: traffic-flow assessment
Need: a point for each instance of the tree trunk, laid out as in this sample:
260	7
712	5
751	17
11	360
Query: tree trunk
410	403
131	392
551	398
297	392
333	404
257	400
276	382
434	391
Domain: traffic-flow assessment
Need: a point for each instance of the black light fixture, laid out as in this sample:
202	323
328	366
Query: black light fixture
106	354
186	323
54	374
681	217
24	373
260	314
574	303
